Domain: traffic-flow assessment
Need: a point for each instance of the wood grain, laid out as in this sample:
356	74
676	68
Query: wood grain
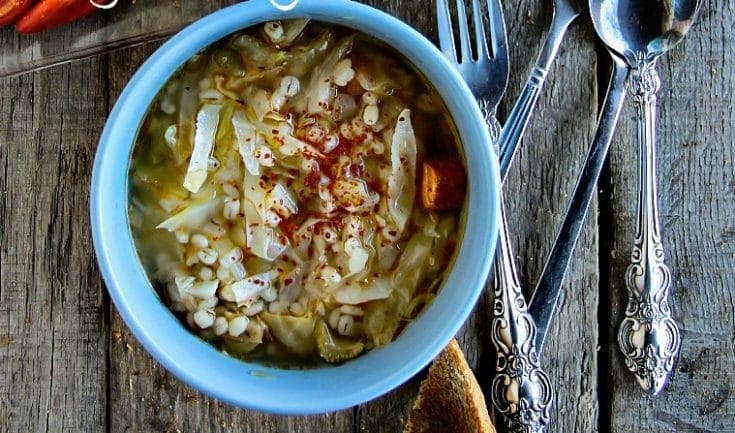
697	192
129	23
53	335
69	364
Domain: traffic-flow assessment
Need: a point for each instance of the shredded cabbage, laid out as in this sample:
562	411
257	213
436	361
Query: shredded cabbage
319	93
382	319
259	54
382	85
290	286
296	333
304	235
246	140
261	240
206	128
303	59
280	200
354	293
193	216
402	182
203	290
292	30
412	263
260	102
248	288
335	349
188	104
354	196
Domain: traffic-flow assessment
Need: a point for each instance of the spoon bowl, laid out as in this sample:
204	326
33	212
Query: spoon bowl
642	29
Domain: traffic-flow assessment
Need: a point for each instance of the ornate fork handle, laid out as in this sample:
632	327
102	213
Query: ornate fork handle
521	390
648	336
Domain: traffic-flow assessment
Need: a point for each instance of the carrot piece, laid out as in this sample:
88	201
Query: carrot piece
443	184
47	14
10	10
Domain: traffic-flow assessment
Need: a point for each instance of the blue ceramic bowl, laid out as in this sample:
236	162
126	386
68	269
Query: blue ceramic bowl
252	385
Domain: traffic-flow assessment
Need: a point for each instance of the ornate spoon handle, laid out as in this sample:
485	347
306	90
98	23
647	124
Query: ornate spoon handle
521	390
648	336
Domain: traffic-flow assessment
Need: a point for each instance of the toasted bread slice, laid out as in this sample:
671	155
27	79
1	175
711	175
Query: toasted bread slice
450	399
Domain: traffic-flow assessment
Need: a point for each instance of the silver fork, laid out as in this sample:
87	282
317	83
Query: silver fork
521	390
565	12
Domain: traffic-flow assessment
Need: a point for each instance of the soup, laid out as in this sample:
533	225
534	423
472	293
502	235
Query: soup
295	193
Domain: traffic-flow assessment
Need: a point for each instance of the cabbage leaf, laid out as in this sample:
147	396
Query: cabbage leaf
356	292
246	138
206	128
193	216
402	181
296	333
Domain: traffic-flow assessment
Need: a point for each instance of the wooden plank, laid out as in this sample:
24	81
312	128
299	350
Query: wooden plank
697	192
538	189
129	23
53	333
52	312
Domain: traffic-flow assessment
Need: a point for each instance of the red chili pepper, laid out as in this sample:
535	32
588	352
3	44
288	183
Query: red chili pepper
47	14
10	10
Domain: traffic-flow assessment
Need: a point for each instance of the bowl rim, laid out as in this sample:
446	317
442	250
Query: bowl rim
259	387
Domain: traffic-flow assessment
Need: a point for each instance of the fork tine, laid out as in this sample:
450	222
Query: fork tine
480	39
464	33
497	28
446	42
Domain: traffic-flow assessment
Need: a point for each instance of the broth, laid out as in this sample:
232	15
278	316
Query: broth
274	195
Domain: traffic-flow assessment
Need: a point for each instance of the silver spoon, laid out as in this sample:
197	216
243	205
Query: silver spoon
641	31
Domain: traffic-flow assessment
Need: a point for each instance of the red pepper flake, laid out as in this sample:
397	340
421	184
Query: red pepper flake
360	139
312	179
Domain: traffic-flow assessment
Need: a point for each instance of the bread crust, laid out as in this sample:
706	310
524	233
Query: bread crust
450	399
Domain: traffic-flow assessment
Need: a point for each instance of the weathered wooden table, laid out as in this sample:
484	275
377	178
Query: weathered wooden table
68	363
